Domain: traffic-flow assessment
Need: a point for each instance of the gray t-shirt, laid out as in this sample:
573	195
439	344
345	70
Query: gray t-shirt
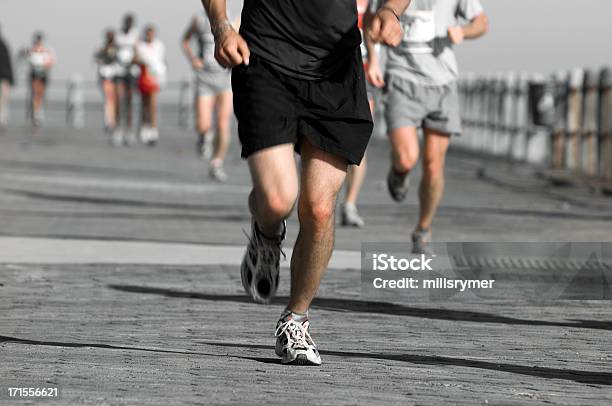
426	54
206	41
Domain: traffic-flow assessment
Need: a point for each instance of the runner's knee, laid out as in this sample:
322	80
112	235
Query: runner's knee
317	213
405	160
433	168
279	204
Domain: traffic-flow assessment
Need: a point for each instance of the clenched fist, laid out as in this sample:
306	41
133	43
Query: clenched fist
385	27
456	35
230	48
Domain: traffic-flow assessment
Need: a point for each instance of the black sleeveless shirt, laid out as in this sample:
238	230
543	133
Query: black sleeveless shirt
306	39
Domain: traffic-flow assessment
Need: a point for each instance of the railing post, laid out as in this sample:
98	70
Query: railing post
559	127
589	123
574	118
605	123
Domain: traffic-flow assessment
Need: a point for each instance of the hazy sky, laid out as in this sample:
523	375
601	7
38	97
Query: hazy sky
530	35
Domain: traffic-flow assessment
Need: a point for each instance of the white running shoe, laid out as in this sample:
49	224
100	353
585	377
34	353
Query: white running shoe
350	216
153	137
261	264
293	343
217	172
130	138
38	117
145	134
117	138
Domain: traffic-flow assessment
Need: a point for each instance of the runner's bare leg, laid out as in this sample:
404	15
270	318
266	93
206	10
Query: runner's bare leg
322	177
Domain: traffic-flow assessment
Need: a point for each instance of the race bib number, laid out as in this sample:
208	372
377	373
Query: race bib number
419	31
125	55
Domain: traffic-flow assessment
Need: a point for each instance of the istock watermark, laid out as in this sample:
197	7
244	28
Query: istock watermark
475	272
384	262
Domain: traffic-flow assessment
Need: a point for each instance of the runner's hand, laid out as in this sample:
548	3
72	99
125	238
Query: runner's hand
385	28
197	63
231	49
456	35
374	74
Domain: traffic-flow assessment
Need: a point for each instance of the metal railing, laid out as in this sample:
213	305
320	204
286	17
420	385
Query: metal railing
563	121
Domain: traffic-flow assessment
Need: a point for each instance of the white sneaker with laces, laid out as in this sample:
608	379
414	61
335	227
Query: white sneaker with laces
294	345
217	172
350	216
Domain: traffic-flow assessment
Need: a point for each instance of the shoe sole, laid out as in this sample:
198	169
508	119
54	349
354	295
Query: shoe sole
301	360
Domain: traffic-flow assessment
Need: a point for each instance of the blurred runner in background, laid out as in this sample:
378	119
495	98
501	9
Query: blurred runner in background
356	173
420	91
41	60
213	90
126	39
151	56
107	61
6	80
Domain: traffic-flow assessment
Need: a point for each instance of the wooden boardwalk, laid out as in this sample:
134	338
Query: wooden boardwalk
108	331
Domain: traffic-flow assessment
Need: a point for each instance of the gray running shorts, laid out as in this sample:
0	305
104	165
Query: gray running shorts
409	104
212	83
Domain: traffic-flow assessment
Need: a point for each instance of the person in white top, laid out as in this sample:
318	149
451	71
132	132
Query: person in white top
41	60
151	56
125	39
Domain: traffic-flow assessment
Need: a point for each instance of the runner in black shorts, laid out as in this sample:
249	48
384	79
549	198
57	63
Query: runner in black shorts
6	80
298	82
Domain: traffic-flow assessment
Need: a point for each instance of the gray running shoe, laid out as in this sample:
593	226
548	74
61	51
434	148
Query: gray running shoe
261	264
350	216
398	185
293	343
421	240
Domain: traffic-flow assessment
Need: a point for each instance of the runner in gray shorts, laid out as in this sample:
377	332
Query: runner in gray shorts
420	91
409	104
213	91
212	83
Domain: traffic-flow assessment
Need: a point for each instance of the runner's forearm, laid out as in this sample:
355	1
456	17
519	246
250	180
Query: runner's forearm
478	27
372	55
216	10
399	6
186	42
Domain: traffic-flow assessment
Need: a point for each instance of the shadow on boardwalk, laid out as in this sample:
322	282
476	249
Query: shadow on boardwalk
358	306
587	377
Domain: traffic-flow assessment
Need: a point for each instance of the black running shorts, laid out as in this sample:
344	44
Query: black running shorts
273	109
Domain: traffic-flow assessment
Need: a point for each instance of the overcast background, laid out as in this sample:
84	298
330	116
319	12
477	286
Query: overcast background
526	35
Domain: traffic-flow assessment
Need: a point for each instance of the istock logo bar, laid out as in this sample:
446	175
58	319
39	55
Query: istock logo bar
387	262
